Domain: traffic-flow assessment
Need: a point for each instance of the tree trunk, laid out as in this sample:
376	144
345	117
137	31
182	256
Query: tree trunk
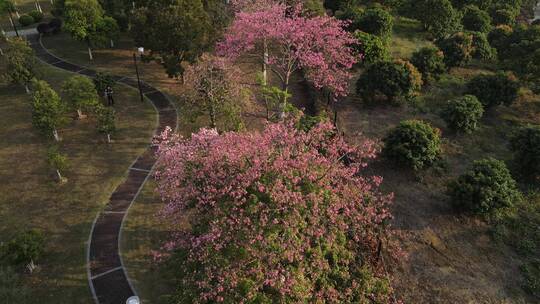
55	134
59	175
17	14
265	63
90	53
1	52
27	89
108	138
212	116
13	24
80	114
112	43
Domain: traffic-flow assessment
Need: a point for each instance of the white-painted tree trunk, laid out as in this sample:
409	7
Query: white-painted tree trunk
55	134
59	175
112	43
1	52
80	114
27	89
17	14
108	138
90	53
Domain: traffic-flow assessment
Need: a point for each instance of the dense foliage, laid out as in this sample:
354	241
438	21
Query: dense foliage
372	48
389	79
486	188
462	114
493	90
23	248
430	62
26	20
80	93
525	144
375	21
20	62
413	143
475	19
47	109
457	49
276	217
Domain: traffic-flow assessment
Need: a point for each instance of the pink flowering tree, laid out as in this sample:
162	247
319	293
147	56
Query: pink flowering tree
285	41
280	216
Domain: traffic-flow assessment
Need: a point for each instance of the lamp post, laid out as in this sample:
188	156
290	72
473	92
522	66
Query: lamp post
140	51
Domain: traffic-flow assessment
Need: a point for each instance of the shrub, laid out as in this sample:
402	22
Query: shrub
462	114
413	143
457	49
531	273
438	17
351	13
526	147
493	90
385	78
26	20
499	37
503	16
415	77
371	47
24	248
475	19
37	15
481	47
430	62
487	187
376	21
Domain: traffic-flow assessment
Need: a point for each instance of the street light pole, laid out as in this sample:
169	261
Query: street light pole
140	50
12	22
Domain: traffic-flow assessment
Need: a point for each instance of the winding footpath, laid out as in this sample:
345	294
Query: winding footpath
107	276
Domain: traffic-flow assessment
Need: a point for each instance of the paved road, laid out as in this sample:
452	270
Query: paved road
106	273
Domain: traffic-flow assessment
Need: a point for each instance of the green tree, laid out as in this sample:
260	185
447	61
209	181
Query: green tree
458	49
7	6
525	144
475	19
163	30
375	21
372	48
81	93
430	62
82	21
462	114
102	81
389	79
438	17
413	143
47	109
486	188
58	162
20	61
106	32
106	121
23	249
493	90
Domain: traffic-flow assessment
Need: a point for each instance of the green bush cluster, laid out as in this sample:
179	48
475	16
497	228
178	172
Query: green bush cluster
389	79
37	15
476	20
462	114
485	188
458	49
481	48
493	90
525	144
376	21
413	143
26	20
371	47
430	62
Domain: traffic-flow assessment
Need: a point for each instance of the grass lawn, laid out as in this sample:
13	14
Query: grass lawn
407	37
32	199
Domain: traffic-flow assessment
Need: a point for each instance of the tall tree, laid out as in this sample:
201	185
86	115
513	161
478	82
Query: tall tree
20	61
80	92
7	6
84	19
47	109
319	46
277	217
215	88
175	32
